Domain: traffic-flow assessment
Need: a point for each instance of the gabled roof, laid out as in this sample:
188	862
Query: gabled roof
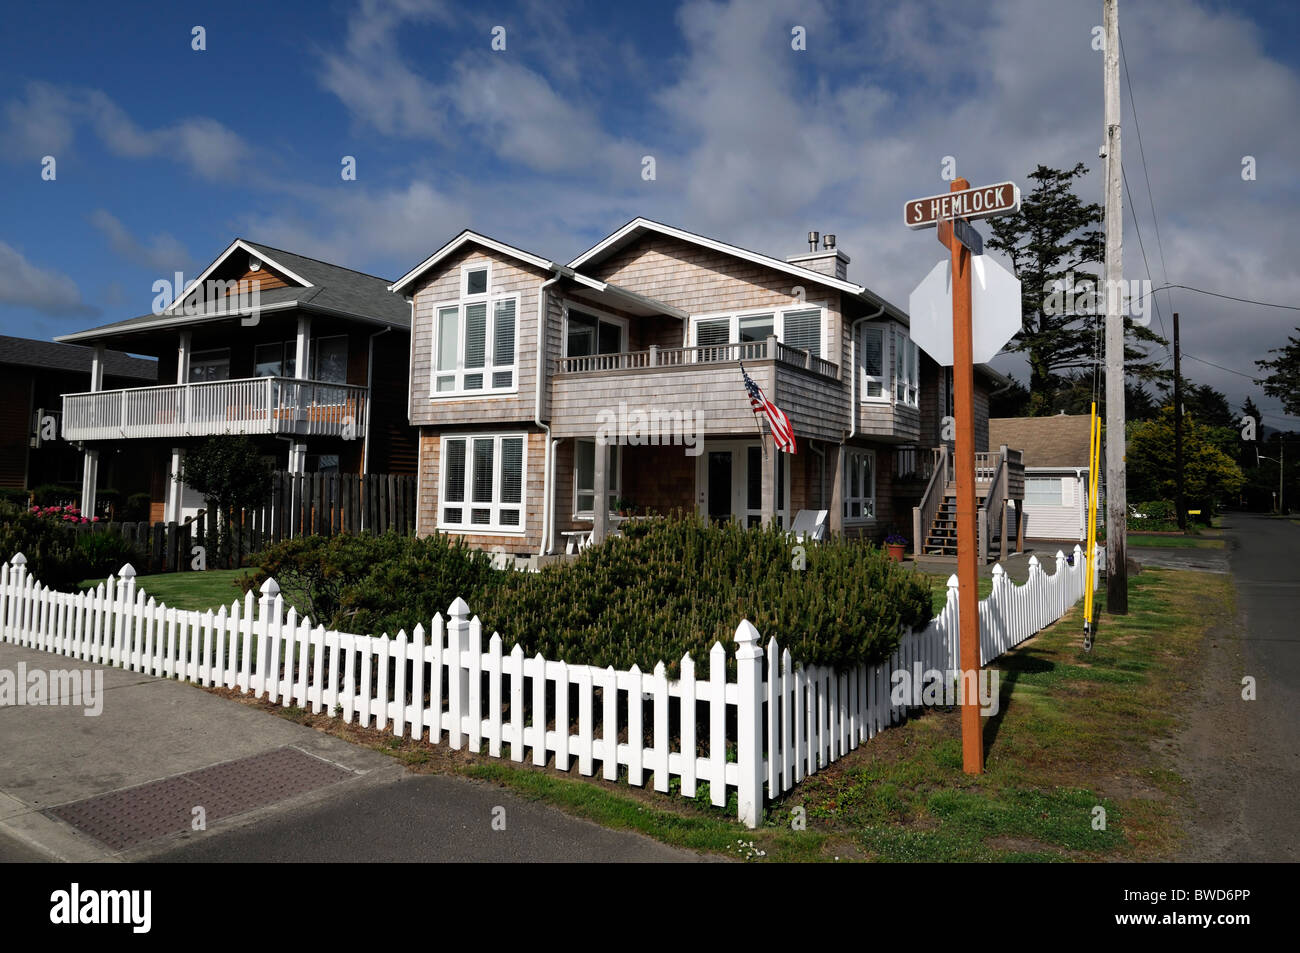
628	300
1059	442
48	355
317	286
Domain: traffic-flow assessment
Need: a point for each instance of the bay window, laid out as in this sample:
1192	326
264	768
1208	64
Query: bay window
483	483
907	374
859	485
871	347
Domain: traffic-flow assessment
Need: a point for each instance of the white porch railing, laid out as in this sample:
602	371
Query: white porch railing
256	405
669	357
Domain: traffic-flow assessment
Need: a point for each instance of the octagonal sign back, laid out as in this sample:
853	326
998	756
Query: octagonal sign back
995	310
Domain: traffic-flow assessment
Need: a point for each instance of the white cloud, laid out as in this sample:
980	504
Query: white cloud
43	290
162	253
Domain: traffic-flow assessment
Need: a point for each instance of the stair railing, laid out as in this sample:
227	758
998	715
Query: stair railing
923	515
994	501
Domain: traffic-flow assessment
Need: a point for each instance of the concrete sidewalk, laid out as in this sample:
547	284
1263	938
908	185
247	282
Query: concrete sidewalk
189	744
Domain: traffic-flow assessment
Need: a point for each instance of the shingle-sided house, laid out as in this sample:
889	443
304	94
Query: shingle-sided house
1056	472
519	363
33	376
307	358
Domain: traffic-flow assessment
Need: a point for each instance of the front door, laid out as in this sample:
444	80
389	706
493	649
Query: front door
729	480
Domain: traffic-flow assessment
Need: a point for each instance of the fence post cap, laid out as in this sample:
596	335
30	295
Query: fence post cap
126	572
1078	550
998	571
270	587
459	610
1033	562
747	641
18	560
1060	556
953	581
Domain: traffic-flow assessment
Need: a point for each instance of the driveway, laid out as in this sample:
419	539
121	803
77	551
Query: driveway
1241	757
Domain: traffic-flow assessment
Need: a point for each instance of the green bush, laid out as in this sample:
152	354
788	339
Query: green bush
664	589
49	545
103	554
14	497
54	494
1158	516
137	508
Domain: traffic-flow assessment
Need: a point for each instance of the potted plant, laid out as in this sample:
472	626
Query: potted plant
896	543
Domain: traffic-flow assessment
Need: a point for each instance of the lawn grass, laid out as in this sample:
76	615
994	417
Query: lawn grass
939	591
209	589
1075	732
1174	542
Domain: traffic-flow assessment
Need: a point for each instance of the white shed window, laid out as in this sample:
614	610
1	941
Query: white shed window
1043	491
483	483
860	485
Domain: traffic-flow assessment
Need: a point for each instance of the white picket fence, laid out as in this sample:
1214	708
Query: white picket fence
777	723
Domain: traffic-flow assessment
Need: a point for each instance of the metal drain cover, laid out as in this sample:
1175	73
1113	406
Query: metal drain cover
126	818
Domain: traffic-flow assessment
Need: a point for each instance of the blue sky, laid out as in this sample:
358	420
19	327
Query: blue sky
164	154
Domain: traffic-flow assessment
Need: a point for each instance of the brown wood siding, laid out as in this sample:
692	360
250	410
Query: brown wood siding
531	540
265	278
394	443
15	427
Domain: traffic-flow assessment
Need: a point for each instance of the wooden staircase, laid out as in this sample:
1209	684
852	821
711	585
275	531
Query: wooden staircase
941	540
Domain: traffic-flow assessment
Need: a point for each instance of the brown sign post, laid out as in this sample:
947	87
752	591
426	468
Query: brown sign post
947	212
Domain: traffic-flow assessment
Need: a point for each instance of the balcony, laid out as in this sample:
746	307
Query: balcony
705	380
258	405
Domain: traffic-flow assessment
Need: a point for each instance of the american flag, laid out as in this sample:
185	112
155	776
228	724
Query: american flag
777	421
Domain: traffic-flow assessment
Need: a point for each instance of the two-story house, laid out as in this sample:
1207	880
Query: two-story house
307	358
520	366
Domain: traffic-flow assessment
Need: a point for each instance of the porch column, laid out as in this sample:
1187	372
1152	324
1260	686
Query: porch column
770	463
183	352
600	505
89	481
1020	526
297	458
97	368
835	463
302	349
174	488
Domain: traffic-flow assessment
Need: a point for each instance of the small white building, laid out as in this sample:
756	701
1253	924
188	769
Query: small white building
1056	472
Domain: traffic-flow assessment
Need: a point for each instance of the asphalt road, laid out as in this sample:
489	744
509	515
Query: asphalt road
1243	757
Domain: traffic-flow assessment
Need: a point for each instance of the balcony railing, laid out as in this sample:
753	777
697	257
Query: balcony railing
661	357
258	405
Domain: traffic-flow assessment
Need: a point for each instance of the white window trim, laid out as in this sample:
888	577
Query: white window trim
465	269
849	453
886	394
614	477
896	334
778	313
623	324
485	391
494	527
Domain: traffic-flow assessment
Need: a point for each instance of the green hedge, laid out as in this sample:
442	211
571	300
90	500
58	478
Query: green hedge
664	589
58	555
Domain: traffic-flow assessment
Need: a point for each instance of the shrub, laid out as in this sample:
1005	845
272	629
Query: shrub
103	554
137	508
1158	516
54	494
49	545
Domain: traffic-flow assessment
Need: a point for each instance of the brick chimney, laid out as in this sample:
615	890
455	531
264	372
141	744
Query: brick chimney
828	260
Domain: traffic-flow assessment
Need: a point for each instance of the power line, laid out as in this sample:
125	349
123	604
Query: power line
1252	377
1216	294
1143	247
1155	219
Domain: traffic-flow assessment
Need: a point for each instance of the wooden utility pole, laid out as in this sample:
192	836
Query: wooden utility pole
963	395
1178	431
1116	492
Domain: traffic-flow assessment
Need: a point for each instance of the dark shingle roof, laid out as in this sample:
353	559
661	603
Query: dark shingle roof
70	357
1060	441
333	288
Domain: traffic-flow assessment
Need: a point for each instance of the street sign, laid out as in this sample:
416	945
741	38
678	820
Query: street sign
984	202
966	234
995	306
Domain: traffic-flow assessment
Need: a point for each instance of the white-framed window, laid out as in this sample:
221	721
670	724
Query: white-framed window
588	332
211	365
859	485
802	327
873	350
474	338
584	477
482	483
1043	491
907	369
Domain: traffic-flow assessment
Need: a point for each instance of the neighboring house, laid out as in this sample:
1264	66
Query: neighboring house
307	358
519	362
33	376
1056	472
